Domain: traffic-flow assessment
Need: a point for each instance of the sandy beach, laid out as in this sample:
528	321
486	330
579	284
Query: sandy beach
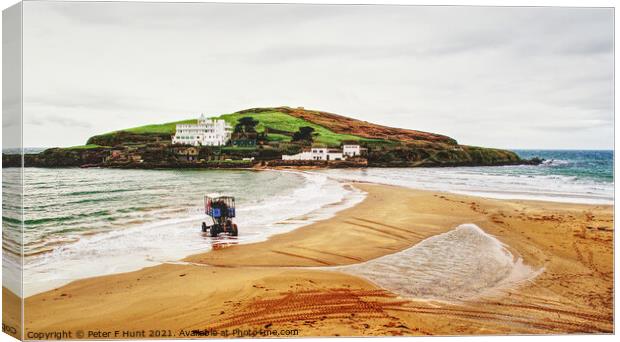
285	285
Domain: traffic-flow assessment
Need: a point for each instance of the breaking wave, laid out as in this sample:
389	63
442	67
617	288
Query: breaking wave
75	229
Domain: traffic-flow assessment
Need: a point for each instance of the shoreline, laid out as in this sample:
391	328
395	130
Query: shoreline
341	196
352	183
276	164
238	278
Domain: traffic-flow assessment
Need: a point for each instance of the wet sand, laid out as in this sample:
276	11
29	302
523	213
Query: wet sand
11	313
267	286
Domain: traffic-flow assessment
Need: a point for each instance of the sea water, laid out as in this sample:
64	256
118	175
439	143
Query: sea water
87	222
461	264
565	176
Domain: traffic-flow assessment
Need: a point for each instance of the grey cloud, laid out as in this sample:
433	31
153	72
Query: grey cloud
164	15
86	100
450	70
46	120
574	125
303	52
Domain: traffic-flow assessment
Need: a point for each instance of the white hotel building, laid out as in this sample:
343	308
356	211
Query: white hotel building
207	132
324	153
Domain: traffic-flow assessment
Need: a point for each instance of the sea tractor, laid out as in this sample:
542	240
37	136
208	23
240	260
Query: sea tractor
222	211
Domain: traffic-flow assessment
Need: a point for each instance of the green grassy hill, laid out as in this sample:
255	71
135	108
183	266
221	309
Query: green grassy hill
271	119
284	122
165	128
387	146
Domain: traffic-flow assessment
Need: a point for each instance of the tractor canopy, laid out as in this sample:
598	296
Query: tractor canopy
220	207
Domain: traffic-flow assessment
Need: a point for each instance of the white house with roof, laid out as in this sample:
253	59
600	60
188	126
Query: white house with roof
206	132
352	150
323	153
305	155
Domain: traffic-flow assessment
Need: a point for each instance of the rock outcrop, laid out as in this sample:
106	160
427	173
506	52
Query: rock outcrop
123	137
57	157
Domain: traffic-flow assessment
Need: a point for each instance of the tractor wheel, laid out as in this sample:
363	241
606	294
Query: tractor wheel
214	230
234	231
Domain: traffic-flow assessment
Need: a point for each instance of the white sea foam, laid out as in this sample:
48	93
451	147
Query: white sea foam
171	235
461	264
168	240
555	162
510	182
12	273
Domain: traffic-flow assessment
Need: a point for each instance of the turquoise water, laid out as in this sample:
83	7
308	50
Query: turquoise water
595	165
565	176
86	222
62	204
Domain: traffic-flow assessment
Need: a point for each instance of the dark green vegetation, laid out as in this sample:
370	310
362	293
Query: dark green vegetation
265	134
85	147
434	155
305	134
246	124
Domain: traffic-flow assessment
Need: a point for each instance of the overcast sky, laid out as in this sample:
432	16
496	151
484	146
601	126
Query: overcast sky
497	77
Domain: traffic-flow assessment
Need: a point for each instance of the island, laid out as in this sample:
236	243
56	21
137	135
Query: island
277	137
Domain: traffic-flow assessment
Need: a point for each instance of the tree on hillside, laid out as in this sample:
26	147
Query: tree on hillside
246	124
304	134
